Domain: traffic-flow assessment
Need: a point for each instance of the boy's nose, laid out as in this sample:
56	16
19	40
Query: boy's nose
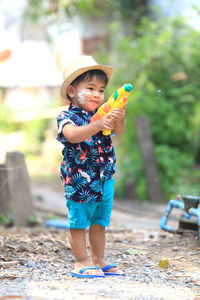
96	93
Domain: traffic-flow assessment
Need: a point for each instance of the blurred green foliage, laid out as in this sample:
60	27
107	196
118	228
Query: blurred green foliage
161	60
6	120
131	9
5	220
34	132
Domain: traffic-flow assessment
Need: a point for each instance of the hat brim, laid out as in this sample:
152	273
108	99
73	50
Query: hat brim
106	69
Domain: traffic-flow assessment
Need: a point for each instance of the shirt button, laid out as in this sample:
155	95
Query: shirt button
99	141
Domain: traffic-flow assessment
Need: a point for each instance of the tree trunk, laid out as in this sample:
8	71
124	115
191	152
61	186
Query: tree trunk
4	191
149	162
19	187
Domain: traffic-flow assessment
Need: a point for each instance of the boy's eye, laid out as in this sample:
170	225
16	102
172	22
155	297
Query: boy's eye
92	89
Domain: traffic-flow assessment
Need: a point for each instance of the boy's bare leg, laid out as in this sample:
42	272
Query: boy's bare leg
97	238
77	238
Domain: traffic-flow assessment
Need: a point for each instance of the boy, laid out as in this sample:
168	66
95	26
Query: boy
88	163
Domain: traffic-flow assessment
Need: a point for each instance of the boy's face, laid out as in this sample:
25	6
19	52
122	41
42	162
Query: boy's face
88	95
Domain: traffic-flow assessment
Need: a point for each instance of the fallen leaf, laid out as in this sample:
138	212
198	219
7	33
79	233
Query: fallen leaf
164	263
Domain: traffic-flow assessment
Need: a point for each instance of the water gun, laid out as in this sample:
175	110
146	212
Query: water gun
117	100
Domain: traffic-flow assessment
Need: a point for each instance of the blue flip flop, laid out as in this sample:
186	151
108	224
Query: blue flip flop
108	267
80	274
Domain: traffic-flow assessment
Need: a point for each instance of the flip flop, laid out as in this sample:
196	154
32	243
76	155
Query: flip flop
108	267
80	274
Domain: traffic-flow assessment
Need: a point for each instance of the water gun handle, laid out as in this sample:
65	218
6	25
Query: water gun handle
106	132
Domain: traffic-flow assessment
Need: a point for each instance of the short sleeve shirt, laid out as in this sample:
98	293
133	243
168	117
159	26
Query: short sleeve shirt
86	164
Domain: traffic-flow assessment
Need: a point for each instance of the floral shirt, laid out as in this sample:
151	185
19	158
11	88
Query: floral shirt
87	164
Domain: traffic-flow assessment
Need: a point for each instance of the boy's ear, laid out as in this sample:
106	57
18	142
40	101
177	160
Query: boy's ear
70	90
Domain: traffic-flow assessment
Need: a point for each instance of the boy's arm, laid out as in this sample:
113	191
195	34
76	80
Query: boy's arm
118	116
77	134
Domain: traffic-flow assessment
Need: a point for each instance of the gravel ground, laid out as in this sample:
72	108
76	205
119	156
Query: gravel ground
35	263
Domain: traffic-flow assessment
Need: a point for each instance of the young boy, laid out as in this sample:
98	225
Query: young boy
88	163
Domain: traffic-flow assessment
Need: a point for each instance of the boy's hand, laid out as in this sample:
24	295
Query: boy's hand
105	123
118	114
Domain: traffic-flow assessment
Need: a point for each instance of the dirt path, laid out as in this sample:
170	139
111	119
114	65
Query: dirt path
35	263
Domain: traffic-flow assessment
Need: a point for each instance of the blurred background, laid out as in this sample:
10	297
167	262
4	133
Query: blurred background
152	44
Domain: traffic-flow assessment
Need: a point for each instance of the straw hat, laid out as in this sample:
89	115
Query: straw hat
79	66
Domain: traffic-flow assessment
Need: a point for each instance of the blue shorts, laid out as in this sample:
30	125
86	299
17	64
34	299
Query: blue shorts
82	215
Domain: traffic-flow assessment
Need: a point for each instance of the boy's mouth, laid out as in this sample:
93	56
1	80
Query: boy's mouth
93	101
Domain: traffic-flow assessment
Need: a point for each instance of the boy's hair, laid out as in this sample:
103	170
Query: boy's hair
89	75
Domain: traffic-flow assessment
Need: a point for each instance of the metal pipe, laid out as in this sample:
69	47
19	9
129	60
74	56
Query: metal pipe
172	203
181	205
